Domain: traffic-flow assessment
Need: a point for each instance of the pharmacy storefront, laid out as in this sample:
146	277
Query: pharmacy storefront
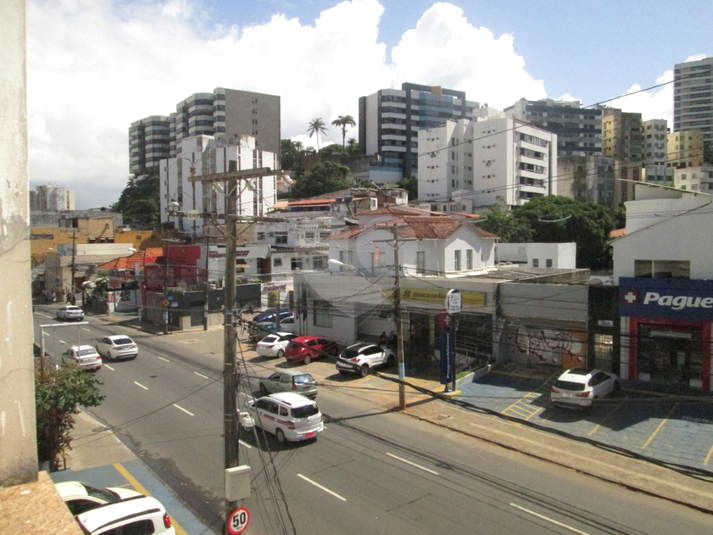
666	331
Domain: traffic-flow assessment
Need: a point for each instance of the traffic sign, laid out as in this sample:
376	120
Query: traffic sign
166	302
238	521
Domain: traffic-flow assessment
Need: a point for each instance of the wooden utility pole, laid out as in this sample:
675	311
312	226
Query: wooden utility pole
397	321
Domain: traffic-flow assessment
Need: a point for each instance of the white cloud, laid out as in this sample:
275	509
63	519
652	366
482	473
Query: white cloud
652	104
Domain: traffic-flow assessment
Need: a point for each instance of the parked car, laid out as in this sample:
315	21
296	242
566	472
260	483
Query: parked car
361	357
81	497
141	514
70	312
86	357
287	415
269	315
117	346
257	331
273	345
289	381
306	348
582	387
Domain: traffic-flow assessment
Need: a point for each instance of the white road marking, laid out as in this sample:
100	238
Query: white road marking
201	375
543	517
139	384
248	446
325	489
107	366
165	360
189	413
88	330
412	464
63	342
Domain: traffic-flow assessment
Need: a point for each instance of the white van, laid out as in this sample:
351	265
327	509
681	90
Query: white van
287	415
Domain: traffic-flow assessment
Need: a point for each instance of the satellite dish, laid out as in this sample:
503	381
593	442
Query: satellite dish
192	214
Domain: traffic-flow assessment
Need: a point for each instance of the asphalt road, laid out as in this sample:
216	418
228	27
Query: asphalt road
371	471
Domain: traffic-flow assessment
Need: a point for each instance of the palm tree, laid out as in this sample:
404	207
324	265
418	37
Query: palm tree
343	121
316	126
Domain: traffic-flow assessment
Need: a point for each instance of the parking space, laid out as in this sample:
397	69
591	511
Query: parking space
670	428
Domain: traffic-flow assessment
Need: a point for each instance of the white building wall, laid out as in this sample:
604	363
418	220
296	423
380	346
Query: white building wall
561	255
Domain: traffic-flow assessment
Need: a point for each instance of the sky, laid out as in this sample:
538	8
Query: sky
95	66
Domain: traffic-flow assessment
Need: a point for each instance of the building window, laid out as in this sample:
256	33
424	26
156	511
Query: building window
318	262
280	238
548	263
662	269
421	262
296	263
260	236
346	257
322	314
535	262
457	261
469	259
277	262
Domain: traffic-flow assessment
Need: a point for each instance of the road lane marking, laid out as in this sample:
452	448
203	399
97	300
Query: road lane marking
325	489
63	342
138	487
201	375
165	360
659	427
547	519
248	446
88	330
107	366
184	410
708	457
606	419
139	384
412	464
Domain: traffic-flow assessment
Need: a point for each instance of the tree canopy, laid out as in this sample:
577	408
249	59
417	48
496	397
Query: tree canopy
291	157
325	177
410	184
316	126
343	121
139	203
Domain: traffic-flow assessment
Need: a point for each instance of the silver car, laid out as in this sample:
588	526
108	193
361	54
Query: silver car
289	380
117	346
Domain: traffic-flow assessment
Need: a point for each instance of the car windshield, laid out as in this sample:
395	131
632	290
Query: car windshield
305	411
122	341
569	385
303	379
85	352
270	339
103	494
351	352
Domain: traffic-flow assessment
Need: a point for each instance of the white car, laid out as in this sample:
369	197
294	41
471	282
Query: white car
86	357
117	346
81	497
362	357
273	345
582	387
287	415
139	515
70	312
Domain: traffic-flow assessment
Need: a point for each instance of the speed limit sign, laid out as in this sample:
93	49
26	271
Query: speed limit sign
238	521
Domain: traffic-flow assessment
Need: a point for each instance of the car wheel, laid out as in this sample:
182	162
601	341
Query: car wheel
364	370
263	389
390	361
280	434
280	353
308	359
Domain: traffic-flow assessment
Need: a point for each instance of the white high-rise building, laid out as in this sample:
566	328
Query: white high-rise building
693	97
52	198
473	164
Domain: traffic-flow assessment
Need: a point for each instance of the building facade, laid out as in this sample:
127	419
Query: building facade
693	97
694	179
224	113
685	148
51	198
389	121
622	137
587	178
579	130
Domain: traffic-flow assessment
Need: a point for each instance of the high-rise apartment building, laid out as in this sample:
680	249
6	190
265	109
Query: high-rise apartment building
51	199
622	136
685	148
654	142
390	119
579	130
693	97
224	113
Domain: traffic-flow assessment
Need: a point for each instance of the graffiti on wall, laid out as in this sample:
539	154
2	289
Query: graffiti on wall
547	346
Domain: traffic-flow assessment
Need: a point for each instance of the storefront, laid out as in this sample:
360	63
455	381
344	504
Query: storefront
666	331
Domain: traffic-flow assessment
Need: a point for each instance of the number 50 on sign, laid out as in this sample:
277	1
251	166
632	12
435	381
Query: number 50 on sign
238	521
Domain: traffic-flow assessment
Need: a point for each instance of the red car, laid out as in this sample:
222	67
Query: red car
306	348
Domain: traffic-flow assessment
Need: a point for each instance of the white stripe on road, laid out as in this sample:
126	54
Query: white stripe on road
63	342
201	375
412	464
107	366
165	360
248	446
543	517
88	330
325	489
189	413
139	384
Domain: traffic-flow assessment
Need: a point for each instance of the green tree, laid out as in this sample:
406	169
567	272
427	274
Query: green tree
139	203
499	220
410	184
316	126
343	121
291	156
352	147
324	178
56	400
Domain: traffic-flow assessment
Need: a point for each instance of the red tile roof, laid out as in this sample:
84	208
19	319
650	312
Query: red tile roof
417	227
147	256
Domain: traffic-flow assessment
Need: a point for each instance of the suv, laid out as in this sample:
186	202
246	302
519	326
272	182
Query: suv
361	357
141	515
287	415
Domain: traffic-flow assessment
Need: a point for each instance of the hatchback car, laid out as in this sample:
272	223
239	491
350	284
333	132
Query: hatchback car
289	381
273	345
582	387
289	416
70	312
86	357
117	346
361	357
140	515
306	348
81	497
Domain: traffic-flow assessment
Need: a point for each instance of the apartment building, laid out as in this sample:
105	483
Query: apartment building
51	199
622	137
587	178
693	97
685	148
389	121
579	130
224	113
694	179
482	162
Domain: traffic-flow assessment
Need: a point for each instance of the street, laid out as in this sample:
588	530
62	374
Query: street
372	470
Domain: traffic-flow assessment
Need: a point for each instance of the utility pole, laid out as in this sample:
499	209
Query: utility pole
397	321
206	296
74	255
